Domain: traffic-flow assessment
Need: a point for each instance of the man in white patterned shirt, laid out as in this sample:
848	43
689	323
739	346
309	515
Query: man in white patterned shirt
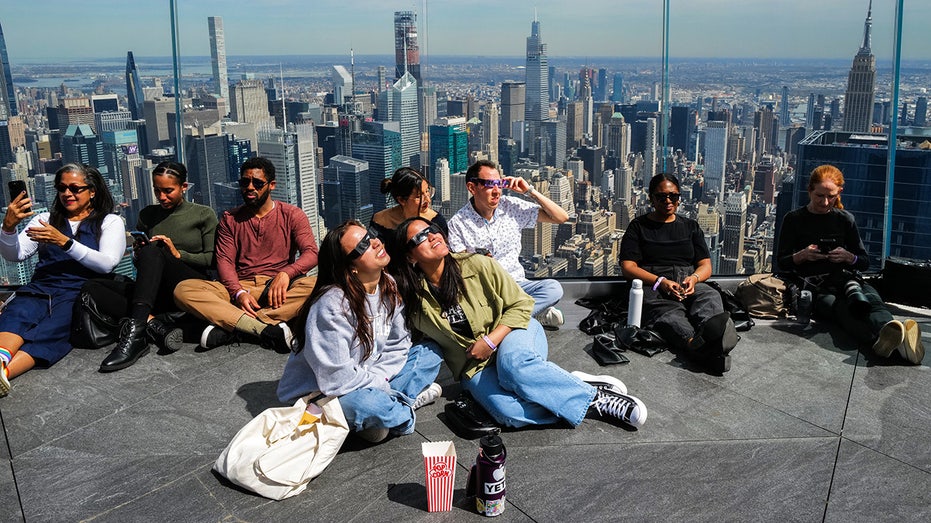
491	223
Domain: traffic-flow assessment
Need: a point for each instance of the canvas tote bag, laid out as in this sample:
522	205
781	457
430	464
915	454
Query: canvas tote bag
276	456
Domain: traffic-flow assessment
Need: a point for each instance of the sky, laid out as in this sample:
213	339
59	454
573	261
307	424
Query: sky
92	29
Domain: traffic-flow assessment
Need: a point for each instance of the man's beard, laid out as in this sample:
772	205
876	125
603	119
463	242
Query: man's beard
258	202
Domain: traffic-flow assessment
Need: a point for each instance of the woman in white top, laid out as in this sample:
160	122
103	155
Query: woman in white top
77	240
356	345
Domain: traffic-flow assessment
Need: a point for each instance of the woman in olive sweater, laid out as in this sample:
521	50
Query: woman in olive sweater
180	246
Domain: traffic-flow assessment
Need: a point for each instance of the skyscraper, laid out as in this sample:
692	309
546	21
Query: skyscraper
537	71
7	94
379	144
345	191
784	106
490	131
399	104
858	101
448	139
249	101
513	100
406	50
218	55
293	154
715	156
134	96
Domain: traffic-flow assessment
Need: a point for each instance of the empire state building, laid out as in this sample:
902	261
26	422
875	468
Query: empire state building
858	102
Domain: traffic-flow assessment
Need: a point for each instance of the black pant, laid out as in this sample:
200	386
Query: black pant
157	275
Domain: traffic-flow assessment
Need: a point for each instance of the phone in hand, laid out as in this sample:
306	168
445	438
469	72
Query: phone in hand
826	245
140	237
17	187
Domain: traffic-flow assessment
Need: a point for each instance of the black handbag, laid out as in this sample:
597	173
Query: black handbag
90	328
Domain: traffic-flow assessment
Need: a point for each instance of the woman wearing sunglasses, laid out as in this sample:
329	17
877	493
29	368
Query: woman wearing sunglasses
480	317
667	252
79	239
355	345
178	244
411	190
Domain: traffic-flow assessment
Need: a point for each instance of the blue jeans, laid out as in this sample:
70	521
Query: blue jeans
374	408
521	388
545	293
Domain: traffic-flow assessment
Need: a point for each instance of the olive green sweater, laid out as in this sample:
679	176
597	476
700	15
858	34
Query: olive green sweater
491	298
190	226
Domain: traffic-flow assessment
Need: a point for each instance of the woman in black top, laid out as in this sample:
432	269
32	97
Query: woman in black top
413	192
819	247
668	254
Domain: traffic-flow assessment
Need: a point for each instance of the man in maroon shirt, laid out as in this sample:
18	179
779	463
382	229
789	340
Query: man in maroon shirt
264	250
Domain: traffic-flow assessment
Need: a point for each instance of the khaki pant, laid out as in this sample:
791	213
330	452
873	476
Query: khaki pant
209	300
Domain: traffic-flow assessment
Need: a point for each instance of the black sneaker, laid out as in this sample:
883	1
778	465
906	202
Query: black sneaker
278	338
623	407
214	336
166	335
468	419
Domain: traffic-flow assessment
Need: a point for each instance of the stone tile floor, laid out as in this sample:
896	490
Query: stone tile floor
803	428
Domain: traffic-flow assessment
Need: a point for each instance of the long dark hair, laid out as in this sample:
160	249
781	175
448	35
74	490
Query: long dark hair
101	204
410	278
334	270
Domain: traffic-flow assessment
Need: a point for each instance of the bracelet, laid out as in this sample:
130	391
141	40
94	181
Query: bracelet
236	296
490	343
696	276
658	281
855	258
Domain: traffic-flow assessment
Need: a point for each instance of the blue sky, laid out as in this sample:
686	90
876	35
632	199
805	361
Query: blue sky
67	29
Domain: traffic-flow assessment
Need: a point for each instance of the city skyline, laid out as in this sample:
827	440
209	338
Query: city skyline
715	28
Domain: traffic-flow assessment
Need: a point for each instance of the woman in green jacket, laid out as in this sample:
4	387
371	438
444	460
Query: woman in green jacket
480	317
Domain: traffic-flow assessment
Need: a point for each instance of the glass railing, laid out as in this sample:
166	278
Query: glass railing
740	102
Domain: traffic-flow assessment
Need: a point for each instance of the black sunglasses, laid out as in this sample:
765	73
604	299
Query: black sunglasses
258	184
75	189
421	236
671	196
363	245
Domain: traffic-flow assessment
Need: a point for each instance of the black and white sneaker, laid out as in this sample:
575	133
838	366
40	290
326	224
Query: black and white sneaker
278	338
602	382
214	337
623	407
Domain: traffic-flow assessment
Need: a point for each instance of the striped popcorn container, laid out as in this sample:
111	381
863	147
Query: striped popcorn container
439	460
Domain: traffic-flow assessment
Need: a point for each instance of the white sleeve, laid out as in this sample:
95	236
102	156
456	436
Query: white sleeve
18	247
112	246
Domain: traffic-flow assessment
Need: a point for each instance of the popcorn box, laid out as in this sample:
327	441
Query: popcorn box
439	460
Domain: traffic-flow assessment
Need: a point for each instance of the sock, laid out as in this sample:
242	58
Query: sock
5	358
140	312
250	325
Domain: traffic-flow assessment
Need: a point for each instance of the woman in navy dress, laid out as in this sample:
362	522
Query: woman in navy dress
79	239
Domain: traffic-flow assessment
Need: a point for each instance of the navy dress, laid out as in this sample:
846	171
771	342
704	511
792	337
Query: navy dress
41	311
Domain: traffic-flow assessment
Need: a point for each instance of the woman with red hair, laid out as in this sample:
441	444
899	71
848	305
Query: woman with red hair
819	247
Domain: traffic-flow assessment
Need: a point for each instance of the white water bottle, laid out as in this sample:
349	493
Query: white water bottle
635	304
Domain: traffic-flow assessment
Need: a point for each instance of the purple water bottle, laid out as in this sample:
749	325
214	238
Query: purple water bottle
486	479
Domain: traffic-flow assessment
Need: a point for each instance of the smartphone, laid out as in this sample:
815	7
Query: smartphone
17	187
140	236
483	252
826	245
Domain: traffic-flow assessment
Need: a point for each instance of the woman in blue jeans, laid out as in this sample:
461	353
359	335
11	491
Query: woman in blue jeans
355	345
480	317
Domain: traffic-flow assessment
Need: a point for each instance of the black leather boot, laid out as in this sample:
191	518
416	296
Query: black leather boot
131	346
167	336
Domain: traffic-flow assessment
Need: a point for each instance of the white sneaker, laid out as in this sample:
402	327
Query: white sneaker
427	396
912	348
601	382
4	381
623	407
551	317
891	335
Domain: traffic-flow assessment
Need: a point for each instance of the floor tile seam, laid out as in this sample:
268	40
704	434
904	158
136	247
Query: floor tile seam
149	492
886	455
794	416
785	439
140	401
